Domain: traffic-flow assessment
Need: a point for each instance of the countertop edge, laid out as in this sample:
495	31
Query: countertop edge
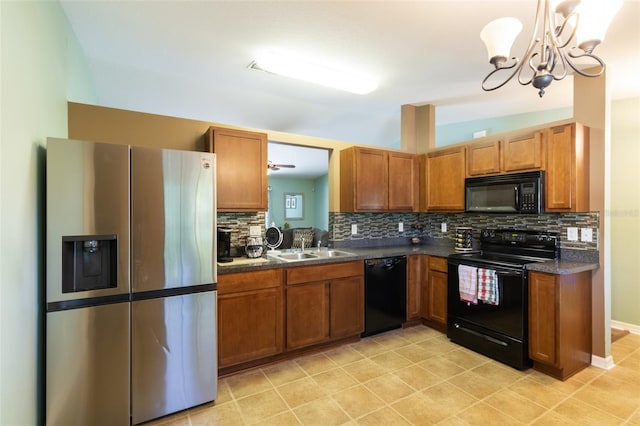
558	267
562	267
358	254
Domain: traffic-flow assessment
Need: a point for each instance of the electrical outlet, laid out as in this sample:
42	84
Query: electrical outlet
400	227
354	229
586	235
572	233
443	227
254	231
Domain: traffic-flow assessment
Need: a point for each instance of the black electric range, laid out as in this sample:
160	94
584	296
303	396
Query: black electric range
498	328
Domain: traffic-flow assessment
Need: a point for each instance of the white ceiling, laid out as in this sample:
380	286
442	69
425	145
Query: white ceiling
310	163
189	59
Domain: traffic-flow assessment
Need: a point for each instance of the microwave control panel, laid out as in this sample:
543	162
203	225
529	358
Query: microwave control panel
528	197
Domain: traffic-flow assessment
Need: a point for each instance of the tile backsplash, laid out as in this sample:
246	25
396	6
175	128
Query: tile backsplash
239	224
381	226
375	226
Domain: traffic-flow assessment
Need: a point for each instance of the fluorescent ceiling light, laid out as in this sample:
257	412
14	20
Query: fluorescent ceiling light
303	69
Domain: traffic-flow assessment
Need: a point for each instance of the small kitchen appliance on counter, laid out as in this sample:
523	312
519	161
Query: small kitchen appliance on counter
224	245
255	247
463	239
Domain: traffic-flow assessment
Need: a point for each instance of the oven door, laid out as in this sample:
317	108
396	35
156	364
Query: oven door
508	317
498	331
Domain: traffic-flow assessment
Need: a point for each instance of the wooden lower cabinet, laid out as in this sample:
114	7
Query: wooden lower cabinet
560	323
327	309
347	307
250	316
434	291
307	314
414	280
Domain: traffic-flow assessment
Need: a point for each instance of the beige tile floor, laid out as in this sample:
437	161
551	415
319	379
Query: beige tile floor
416	376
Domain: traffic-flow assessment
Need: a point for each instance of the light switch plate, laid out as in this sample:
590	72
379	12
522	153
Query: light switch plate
443	227
354	229
254	231
400	227
586	235
572	233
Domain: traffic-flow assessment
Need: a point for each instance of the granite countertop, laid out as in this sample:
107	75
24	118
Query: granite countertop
568	264
243	264
562	267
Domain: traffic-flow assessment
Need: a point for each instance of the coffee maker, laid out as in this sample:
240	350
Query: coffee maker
224	245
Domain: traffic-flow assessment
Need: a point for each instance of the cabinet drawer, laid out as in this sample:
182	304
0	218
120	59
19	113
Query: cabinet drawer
438	263
305	274
247	281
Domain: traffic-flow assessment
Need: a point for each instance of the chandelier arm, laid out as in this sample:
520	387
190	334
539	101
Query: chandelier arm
557	33
532	43
571	55
517	65
532	67
563	62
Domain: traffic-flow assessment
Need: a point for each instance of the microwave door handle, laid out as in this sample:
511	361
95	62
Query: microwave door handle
517	195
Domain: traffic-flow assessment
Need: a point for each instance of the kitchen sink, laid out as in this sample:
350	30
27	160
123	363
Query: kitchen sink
308	255
296	256
332	253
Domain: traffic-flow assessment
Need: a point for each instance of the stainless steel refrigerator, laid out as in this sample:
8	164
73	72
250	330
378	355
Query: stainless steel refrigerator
131	282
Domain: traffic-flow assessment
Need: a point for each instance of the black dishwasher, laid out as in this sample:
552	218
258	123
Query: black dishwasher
385	294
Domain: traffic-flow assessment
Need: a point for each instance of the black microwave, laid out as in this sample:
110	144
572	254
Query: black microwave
510	193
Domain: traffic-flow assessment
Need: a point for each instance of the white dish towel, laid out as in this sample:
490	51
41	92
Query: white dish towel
468	283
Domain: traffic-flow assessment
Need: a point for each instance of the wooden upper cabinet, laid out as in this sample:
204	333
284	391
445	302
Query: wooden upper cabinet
241	169
444	174
483	158
523	153
567	169
520	153
403	182
374	180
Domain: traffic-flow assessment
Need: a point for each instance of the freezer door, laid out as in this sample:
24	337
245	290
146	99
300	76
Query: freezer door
174	354
87	201
173	218
87	378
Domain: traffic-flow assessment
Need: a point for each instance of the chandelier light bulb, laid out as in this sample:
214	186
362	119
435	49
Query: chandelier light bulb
498	36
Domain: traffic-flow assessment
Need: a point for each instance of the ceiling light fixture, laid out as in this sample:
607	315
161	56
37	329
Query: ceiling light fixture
560	22
301	69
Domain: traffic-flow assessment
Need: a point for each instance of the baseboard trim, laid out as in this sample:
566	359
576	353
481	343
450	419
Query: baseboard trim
604	363
633	328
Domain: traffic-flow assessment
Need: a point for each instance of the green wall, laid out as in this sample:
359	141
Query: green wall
625	211
42	68
316	200
447	134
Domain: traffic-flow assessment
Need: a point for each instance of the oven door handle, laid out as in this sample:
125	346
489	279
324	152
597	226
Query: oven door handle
508	273
484	336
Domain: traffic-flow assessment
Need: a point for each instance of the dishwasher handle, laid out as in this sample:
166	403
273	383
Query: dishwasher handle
385	262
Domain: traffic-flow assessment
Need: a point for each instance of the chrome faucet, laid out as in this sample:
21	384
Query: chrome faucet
301	244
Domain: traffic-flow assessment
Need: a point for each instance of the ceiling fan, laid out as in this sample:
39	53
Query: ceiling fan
272	166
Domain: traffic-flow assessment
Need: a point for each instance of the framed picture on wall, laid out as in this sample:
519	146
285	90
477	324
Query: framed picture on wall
293	206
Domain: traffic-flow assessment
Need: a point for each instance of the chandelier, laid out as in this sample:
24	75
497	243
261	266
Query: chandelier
548	57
